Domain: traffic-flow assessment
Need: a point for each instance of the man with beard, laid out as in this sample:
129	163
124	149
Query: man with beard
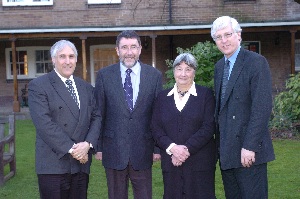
125	93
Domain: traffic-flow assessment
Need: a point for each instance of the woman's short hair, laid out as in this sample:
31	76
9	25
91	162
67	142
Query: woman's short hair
187	58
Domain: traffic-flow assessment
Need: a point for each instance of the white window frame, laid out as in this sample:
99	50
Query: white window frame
297	65
30	61
27	3
104	1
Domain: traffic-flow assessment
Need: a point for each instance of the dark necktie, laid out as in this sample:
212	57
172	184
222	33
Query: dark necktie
225	79
72	91
128	90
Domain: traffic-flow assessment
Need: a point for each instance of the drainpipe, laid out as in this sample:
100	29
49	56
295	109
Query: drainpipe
170	12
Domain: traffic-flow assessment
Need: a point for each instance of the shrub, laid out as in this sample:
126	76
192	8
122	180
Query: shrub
206	54
286	109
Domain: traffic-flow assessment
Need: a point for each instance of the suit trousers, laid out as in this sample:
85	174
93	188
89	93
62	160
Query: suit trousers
246	182
117	183
63	186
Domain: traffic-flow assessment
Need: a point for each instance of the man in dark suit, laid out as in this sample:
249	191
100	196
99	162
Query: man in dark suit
243	91
67	123
125	93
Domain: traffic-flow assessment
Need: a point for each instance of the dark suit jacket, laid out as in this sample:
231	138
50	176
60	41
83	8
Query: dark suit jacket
243	119
193	127
59	123
126	135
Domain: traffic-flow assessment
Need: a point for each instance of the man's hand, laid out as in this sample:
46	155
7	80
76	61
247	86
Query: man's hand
84	159
80	150
176	162
98	155
180	152
247	157
156	157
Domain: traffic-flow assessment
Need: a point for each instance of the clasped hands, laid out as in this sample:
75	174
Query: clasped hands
80	152
180	154
247	157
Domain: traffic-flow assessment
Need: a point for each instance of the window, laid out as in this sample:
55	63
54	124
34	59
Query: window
43	61
297	55
31	62
27	2
21	62
252	46
103	1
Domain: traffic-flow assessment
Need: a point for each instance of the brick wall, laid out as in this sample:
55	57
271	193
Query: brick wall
76	13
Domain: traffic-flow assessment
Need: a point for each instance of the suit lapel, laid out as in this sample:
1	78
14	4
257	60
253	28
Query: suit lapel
116	83
235	73
63	92
83	97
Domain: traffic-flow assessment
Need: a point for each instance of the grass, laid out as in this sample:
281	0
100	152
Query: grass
284	172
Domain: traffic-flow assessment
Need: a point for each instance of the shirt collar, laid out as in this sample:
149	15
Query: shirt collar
135	69
192	90
63	78
234	56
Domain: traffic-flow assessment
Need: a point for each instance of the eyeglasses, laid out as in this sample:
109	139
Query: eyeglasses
186	70
220	37
132	48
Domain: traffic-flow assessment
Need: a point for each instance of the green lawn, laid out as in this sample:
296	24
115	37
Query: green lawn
284	172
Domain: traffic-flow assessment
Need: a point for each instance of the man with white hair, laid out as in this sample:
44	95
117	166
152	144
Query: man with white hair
243	91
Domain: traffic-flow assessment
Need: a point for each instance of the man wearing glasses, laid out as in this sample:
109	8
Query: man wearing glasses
125	93
243	91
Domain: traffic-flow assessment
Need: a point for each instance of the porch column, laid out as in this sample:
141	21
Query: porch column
84	71
153	36
293	33
16	104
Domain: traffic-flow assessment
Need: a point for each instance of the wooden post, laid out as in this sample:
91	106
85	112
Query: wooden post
84	71
293	32
16	104
153	36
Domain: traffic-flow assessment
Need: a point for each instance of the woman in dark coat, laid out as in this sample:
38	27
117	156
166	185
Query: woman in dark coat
183	127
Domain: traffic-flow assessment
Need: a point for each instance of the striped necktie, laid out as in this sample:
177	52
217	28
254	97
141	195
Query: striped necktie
225	79
72	91
128	90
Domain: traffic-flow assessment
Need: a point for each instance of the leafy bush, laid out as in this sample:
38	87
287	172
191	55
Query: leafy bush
286	109
206	54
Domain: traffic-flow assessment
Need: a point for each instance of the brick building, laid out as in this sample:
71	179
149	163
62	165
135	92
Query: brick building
28	28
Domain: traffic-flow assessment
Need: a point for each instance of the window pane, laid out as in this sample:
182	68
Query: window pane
21	56
43	61
48	67
38	55
39	68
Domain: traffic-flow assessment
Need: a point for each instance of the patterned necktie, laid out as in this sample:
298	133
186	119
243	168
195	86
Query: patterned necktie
72	91
225	79
128	90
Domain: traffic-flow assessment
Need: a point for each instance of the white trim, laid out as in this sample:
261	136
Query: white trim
104	1
27	3
141	28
